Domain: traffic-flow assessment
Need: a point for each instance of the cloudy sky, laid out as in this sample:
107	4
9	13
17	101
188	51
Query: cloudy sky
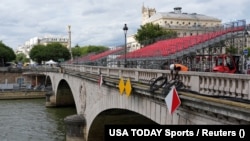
98	22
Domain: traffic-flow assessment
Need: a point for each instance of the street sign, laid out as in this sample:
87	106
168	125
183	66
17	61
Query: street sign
121	86
125	87
245	51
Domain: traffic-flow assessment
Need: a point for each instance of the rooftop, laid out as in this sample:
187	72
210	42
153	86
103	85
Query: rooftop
177	14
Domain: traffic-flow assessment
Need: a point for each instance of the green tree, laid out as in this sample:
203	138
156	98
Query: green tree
76	51
81	51
57	51
150	33
231	50
6	53
54	51
92	48
248	48
37	53
21	57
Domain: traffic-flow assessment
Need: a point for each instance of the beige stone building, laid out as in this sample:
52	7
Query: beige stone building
186	24
53	39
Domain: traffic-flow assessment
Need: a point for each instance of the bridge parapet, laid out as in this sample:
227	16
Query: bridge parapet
225	85
213	84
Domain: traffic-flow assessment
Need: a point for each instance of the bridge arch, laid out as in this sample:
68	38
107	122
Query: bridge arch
67	91
114	116
64	96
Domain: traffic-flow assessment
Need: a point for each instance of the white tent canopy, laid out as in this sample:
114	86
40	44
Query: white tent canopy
50	62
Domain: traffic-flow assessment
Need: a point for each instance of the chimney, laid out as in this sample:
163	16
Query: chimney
177	10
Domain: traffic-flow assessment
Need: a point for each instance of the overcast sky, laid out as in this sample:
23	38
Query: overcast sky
98	22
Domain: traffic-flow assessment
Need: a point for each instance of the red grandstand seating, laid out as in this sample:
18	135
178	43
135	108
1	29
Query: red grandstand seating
104	54
171	46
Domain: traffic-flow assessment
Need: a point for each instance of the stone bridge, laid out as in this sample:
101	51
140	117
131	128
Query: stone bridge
213	98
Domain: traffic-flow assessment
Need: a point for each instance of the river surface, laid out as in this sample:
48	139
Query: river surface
30	120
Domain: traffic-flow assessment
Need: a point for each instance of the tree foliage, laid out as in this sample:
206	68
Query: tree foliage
6	53
150	33
76	51
81	51
234	50
231	50
248	48
21	57
54	51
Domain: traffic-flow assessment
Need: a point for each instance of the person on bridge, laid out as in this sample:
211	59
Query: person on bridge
175	68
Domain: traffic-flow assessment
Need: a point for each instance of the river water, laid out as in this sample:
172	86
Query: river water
30	120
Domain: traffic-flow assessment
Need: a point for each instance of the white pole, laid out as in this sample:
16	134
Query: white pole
69	43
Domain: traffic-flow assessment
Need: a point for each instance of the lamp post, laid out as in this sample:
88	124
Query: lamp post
245	48
125	29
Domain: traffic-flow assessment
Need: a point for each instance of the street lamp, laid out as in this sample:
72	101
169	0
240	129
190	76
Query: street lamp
125	29
245	46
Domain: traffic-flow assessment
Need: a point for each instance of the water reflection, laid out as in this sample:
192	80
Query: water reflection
30	120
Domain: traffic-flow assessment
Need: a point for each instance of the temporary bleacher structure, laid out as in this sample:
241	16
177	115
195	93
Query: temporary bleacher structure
84	59
167	49
105	54
92	58
172	48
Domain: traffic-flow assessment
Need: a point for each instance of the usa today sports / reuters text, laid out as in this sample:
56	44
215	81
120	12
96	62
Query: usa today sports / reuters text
135	132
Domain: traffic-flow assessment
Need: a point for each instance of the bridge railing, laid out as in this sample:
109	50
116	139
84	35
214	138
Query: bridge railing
206	83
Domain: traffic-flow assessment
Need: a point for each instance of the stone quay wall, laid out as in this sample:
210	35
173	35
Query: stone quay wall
7	95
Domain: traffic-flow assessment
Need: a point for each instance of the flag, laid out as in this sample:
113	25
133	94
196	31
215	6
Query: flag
172	100
100	81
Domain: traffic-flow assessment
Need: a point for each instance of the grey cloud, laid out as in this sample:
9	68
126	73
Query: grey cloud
97	21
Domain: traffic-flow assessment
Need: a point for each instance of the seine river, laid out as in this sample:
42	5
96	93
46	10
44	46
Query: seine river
30	120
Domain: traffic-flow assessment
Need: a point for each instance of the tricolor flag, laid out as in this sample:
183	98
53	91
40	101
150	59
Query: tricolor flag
100	81
172	100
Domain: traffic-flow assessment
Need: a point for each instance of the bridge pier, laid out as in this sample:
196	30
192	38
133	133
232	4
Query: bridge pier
50	99
75	128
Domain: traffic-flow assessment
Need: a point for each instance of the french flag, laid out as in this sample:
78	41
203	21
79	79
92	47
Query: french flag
172	100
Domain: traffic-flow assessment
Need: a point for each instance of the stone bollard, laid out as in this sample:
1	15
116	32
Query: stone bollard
75	128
